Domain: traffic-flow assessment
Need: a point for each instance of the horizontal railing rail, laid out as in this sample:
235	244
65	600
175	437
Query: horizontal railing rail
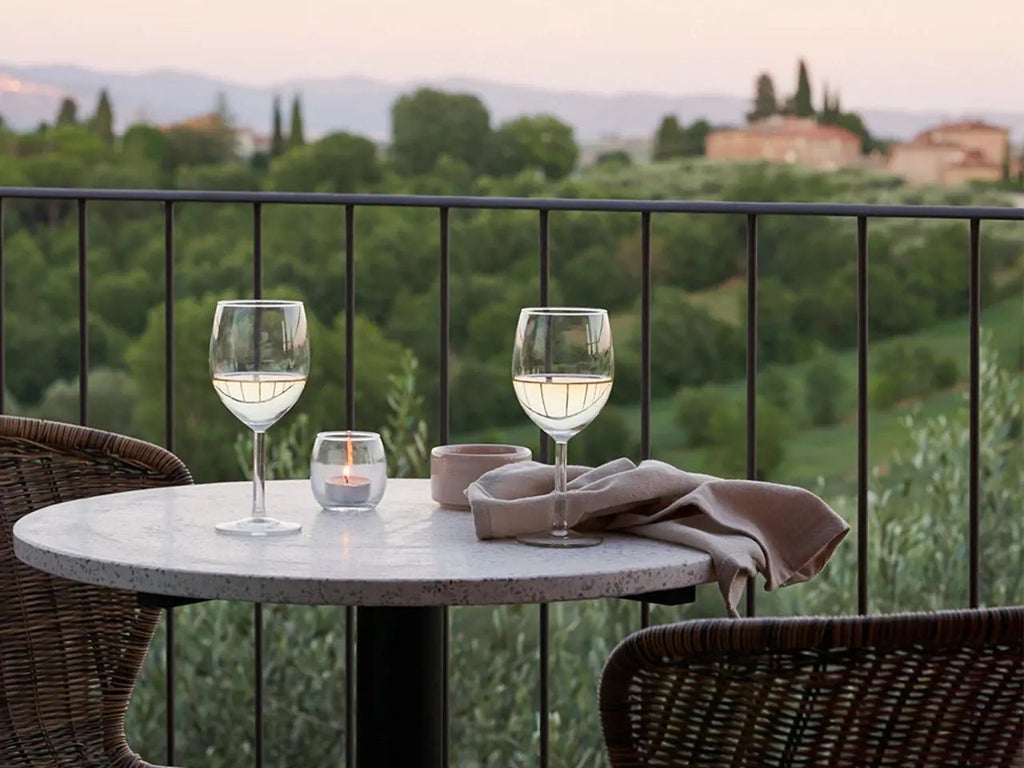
543	207
991	213
850	210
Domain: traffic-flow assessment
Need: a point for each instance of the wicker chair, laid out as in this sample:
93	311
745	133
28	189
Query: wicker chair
927	689
69	652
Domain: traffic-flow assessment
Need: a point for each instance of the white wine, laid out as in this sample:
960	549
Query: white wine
560	404
259	399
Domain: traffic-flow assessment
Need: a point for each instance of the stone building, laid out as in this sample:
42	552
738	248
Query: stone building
953	153
780	139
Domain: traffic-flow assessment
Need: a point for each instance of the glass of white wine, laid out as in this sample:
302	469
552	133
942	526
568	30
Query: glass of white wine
259	361
562	372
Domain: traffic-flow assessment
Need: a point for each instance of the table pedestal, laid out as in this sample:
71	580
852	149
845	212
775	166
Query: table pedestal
399	687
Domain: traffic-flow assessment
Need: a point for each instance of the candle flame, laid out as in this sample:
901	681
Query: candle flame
347	469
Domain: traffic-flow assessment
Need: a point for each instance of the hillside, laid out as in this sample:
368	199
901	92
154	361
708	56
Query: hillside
362	105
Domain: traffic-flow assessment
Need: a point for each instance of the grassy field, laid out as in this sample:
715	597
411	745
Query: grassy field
828	453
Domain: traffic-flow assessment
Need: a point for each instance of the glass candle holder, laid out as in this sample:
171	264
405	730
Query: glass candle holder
348	470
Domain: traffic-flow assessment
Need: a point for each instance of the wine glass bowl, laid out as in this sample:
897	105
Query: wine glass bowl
259	362
562	373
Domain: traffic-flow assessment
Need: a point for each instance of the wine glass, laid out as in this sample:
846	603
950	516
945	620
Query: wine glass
259	361
562	369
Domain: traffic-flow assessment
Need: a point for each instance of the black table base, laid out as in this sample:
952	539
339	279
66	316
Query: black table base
399	687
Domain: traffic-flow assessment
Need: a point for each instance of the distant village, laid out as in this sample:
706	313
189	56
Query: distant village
796	129
793	131
948	154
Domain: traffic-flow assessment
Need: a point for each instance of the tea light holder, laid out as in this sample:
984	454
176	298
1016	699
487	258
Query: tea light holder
348	470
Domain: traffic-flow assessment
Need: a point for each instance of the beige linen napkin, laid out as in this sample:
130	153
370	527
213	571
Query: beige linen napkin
785	533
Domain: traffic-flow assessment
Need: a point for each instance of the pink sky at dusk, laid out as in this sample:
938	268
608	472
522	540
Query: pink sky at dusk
910	54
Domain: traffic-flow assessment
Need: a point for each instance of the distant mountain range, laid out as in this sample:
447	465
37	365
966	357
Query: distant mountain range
30	94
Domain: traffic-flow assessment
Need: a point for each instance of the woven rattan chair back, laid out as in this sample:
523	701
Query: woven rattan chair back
69	653
930	689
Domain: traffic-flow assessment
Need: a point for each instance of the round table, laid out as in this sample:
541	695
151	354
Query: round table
398	563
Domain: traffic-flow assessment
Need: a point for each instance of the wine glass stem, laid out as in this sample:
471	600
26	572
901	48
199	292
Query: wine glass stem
259	473
559	525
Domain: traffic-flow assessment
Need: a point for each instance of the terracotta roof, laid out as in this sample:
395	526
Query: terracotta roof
208	122
928	136
796	128
927	143
967	125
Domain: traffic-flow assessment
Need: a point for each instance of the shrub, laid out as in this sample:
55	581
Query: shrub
694	407
824	387
607	437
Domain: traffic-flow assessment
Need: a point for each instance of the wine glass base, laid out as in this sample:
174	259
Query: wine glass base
258	526
548	539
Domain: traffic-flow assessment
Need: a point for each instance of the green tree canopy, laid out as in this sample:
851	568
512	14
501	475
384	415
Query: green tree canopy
825	388
147	143
852	122
226	176
102	122
695	137
428	123
68	113
668	141
297	135
542	142
339	162
277	143
765	103
802	106
614	158
207	143
111	395
727	453
675	140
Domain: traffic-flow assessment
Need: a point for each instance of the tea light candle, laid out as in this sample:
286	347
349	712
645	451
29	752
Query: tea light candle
348	470
347	488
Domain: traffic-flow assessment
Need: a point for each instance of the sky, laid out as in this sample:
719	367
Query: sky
908	54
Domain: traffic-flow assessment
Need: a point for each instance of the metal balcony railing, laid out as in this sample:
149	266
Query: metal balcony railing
752	213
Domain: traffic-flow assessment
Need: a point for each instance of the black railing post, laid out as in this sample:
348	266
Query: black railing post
974	460
169	665
169	325
751	372
862	415
645	361
257	608
443	423
350	318
83	316
3	335
444	331
544	661
350	421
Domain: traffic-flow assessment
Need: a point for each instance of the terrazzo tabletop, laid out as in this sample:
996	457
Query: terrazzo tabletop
406	552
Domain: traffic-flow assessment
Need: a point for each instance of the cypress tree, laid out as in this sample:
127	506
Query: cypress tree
764	99
102	122
296	138
668	141
802	106
222	110
277	145
68	114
